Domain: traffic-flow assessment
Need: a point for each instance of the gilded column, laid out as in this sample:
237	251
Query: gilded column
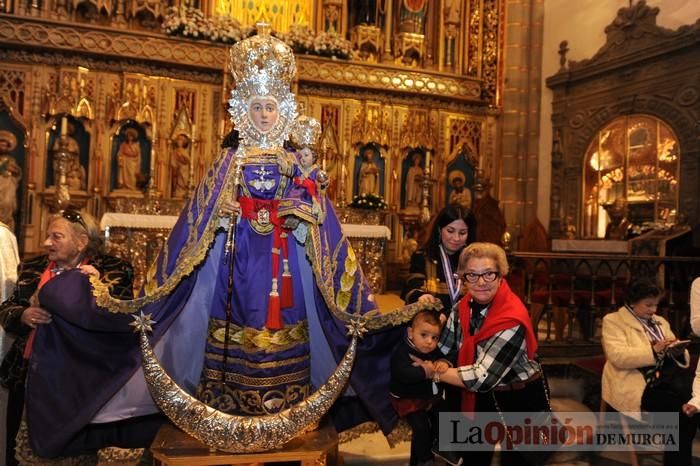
388	27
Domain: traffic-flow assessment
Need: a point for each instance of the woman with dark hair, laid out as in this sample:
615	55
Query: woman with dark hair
431	274
645	362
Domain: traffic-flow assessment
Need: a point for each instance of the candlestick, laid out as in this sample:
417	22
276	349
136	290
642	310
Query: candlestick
153	148
64	126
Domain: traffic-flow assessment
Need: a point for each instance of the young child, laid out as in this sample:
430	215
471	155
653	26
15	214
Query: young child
414	394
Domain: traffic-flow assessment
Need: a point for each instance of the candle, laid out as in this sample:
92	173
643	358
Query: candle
221	128
323	164
427	159
345	148
64	126
194	130
153	147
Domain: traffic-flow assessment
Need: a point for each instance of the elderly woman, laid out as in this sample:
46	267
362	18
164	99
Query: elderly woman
73	246
490	336
644	364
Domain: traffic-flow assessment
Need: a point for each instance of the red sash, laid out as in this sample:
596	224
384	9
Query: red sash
251	209
308	184
506	311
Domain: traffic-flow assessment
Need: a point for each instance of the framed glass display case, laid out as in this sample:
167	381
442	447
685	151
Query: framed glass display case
631	172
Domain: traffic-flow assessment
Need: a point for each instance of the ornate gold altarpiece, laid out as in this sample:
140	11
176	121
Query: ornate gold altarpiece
139	237
112	70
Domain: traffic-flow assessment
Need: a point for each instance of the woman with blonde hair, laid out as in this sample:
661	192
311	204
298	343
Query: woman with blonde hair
490	338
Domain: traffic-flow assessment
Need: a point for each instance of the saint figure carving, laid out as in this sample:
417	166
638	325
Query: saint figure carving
10	176
180	165
414	178
129	160
369	174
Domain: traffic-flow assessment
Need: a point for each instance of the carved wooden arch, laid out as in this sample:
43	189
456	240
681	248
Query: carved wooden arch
642	69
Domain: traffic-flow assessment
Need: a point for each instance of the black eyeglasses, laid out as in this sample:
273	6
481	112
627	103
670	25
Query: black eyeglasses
489	276
74	217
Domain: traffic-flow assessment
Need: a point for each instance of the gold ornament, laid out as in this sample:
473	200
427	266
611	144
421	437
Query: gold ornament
244	434
306	131
142	322
262	66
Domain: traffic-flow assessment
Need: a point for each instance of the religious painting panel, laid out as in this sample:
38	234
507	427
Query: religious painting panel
412	174
70	134
369	171
280	14
363	12
130	158
12	170
412	15
460	181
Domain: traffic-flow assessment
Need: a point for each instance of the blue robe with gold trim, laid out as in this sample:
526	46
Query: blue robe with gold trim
265	370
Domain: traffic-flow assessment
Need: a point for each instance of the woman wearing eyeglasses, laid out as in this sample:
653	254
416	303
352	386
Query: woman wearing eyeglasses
49	293
490	337
433	266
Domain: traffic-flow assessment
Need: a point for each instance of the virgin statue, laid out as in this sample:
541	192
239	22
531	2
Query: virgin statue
250	316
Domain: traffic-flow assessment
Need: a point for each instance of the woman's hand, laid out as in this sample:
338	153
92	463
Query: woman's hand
33	316
228	208
661	346
441	366
89	270
427	298
284	165
689	410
